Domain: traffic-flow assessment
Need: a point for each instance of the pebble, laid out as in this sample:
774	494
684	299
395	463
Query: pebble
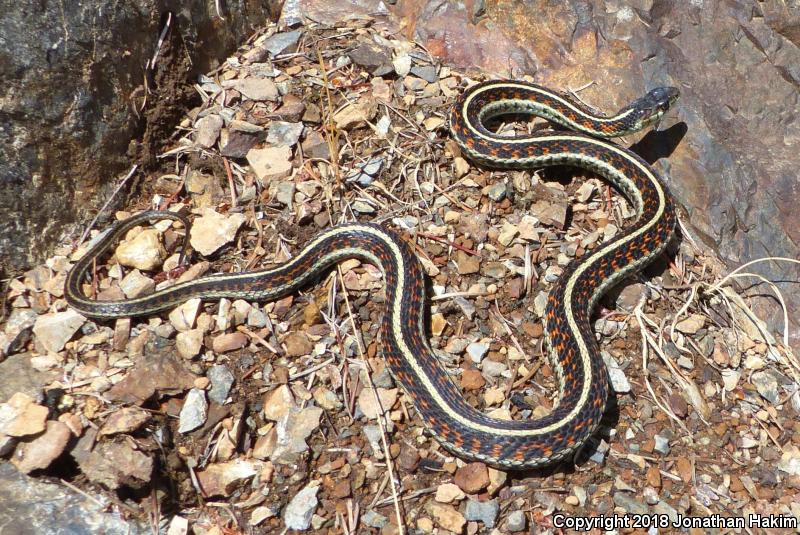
497	192
516	521
43	450
477	351
449	493
144	251
692	324
189	343
790	460
371	407
221	382
278	403
270	163
56	329
630	505
619	382
135	284
472	477
298	344
446	516
283	42
766	385
284	134
208	129
194	411
373	57
492	368
184	316
255	88
467	307
472	379
284	192
374	520
229	342
212	230
223	479
124	420
356	114
661	444
292	431
327	399
485	512
364	174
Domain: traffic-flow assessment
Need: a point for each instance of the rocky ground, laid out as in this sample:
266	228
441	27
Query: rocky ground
231	416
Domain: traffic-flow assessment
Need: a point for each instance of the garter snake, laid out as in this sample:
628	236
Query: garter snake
574	352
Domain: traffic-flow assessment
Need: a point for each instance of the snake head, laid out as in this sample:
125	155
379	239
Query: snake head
652	107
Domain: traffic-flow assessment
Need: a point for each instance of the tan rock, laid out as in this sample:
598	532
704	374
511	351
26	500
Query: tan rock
144	251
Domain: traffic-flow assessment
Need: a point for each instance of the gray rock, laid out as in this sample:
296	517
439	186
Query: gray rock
34	507
281	43
300	509
516	521
194	411
485	512
631	505
221	381
281	133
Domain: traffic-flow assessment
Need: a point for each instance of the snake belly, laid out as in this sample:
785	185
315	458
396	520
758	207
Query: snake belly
440	403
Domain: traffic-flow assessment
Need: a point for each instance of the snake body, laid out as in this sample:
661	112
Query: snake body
574	352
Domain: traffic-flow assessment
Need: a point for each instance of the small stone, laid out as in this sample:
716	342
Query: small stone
467	264
229	342
477	351
616	376
316	146
194	411
630	505
255	88
472	478
278	403
356	114
375	520
300	508
56	329
485	512
221	382
516	521
184	316
270	163
298	344
136	284
630	295
766	385
554	214
283	134
189	343
491	368
472	379
213	230
446	516
438	324
124	420
223	479
507	234
449	493
426	72
373	57
282	43
372	407
144	251
326	399
497	192
208	129
661	444
43	450
692	324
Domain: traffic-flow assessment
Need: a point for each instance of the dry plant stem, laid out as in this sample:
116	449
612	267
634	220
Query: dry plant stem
105	205
384	443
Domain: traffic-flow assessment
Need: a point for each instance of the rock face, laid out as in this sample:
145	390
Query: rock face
72	76
734	140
